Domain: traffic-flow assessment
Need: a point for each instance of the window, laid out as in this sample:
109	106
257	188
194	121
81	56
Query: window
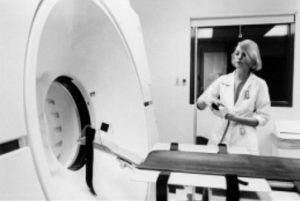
215	44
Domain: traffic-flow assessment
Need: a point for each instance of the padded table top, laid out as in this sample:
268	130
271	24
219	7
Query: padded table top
272	168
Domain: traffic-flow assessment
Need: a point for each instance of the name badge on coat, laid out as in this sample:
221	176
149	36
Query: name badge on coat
247	94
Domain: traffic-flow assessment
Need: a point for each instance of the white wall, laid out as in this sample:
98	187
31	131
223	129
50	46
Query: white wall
166	30
165	25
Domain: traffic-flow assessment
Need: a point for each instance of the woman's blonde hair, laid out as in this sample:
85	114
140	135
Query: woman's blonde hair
251	49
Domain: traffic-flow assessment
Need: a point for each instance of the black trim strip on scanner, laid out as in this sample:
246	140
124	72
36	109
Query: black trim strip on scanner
9	146
90	136
147	103
104	126
84	116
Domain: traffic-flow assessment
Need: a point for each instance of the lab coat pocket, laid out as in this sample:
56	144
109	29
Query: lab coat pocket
251	140
243	136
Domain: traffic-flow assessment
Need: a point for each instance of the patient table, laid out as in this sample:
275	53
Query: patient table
241	171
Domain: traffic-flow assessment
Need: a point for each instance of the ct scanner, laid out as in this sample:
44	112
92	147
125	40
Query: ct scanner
67	65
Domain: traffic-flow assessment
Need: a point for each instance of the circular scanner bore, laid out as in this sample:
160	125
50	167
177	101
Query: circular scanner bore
66	114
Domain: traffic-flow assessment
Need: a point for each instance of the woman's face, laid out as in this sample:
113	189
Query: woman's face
240	59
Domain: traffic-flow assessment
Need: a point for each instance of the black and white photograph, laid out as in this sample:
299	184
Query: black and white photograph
149	100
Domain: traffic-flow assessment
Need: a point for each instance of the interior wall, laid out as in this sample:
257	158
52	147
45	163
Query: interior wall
166	27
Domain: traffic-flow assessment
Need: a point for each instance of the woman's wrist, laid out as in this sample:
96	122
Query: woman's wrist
229	116
226	116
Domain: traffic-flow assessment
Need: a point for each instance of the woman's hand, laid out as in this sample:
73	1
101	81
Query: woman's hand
230	117
216	102
201	105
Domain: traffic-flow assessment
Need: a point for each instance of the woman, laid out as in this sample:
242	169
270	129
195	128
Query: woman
243	100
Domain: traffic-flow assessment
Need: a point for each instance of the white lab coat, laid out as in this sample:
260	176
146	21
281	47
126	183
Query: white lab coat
253	101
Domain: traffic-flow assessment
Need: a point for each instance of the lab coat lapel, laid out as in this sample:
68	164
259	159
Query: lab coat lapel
230	91
244	89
